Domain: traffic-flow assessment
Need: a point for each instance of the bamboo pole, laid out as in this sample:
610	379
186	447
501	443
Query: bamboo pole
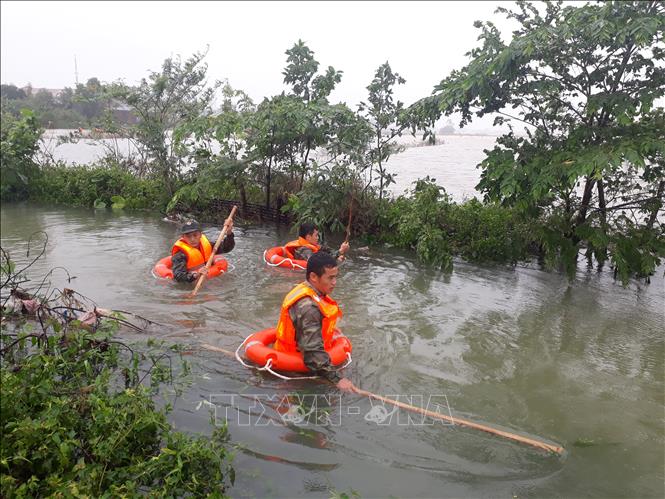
221	237
348	226
464	422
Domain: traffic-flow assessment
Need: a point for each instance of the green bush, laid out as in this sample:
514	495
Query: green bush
75	422
324	199
417	222
223	178
91	185
19	141
436	228
489	232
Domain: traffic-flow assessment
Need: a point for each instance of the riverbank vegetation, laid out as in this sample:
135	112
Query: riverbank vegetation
83	413
585	175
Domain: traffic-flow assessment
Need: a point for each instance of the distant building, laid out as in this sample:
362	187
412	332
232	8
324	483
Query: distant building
447	129
55	92
122	112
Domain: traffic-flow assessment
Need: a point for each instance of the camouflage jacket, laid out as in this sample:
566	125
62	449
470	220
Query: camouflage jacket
307	321
303	252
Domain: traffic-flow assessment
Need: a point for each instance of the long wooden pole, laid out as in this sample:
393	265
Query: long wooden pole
437	415
348	226
464	422
221	237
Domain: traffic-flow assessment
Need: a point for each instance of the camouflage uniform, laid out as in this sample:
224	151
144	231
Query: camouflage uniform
303	252
307	321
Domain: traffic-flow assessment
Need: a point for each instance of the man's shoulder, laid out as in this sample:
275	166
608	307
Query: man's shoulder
305	305
304	251
305	302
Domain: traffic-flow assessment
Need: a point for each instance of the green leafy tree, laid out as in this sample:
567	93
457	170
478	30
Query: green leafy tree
19	142
325	145
289	127
310	106
66	98
582	79
43	104
11	92
215	146
335	178
300	73
270	138
164	102
90	100
386	117
83	106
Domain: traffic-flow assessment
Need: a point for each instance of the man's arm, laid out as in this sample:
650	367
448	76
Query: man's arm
179	267
337	254
302	253
228	243
307	320
330	251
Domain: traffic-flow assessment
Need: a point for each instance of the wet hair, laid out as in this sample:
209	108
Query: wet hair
319	262
306	229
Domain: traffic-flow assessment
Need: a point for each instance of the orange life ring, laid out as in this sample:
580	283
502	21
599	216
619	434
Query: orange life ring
163	268
259	350
278	257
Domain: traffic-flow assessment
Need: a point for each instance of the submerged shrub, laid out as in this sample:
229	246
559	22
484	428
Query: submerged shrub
436	228
90	185
489	232
416	223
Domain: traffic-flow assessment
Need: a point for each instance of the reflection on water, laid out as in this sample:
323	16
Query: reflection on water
580	364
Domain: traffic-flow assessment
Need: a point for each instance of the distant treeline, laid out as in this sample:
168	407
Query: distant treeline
87	105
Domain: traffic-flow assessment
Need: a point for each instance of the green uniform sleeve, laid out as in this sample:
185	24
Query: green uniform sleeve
307	320
303	252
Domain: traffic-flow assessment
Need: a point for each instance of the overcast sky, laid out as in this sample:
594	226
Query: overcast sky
423	41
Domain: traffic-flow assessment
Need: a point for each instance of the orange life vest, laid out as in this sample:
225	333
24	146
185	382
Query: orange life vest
286	332
195	256
298	243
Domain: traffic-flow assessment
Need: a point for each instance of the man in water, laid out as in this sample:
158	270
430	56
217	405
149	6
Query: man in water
308	317
308	243
191	252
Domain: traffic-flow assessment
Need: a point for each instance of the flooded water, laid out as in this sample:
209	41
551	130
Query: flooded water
452	164
580	364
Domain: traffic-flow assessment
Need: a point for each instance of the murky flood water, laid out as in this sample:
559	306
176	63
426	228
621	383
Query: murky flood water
580	364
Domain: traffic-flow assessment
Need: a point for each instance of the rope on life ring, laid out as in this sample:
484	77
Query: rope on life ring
294	265
268	365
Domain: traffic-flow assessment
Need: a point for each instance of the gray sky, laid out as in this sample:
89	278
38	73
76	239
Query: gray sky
423	41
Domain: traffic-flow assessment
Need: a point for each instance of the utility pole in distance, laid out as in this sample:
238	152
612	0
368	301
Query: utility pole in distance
76	71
